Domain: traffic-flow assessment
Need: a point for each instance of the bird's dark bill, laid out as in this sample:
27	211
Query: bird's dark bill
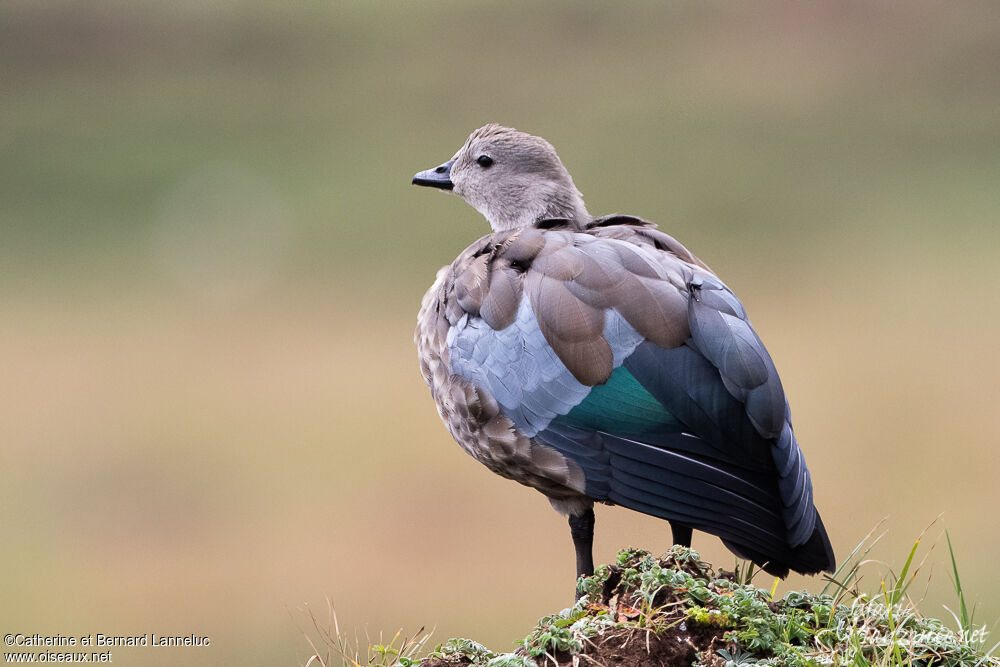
438	177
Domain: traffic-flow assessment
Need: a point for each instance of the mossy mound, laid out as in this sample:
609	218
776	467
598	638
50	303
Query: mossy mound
676	610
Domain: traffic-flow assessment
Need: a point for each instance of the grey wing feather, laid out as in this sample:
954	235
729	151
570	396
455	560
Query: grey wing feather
721	331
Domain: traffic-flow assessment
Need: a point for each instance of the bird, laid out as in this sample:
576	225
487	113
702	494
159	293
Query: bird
598	360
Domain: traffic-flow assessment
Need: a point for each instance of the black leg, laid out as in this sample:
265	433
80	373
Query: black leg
582	529
681	534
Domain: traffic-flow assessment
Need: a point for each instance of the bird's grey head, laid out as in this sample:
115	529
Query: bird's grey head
512	178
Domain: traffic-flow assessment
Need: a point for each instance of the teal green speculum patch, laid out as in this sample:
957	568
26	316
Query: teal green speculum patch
620	405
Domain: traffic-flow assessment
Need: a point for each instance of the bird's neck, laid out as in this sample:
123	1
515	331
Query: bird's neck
557	203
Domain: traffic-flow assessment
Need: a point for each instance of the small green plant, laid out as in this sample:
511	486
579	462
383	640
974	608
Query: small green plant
461	647
593	586
736	657
566	632
745	571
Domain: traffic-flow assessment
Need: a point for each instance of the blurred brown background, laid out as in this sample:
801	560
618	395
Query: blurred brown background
210	410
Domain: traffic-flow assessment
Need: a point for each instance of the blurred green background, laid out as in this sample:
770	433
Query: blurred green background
210	409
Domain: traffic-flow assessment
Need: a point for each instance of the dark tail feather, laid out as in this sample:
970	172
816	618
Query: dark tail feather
813	557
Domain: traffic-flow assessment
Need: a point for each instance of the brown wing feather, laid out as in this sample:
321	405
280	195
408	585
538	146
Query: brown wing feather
472	284
524	245
499	308
558	260
574	329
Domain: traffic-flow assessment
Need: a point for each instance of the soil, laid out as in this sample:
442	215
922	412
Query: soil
675	647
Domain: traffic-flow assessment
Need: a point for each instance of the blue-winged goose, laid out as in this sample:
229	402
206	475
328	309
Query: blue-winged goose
597	359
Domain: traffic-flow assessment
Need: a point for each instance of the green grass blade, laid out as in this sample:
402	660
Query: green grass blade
902	584
965	616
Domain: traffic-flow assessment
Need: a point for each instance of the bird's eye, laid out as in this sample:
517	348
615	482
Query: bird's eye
484	161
